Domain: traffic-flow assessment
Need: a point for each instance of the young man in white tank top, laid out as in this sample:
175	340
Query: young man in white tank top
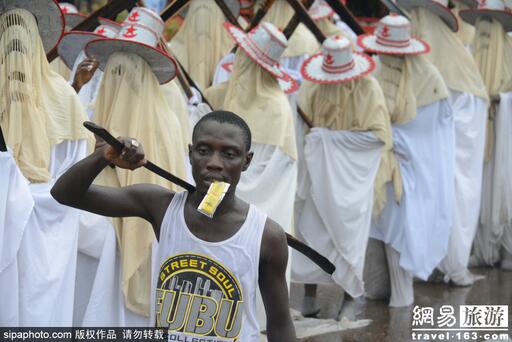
208	268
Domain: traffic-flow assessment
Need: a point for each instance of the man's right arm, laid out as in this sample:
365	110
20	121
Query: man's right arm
75	188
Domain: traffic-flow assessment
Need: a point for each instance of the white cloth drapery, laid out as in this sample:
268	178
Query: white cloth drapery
495	228
470	114
419	227
341	167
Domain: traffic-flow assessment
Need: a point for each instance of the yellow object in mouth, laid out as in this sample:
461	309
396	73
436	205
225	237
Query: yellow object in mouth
213	198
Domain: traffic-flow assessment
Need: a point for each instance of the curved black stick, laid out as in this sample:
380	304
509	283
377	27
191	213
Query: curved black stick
309	252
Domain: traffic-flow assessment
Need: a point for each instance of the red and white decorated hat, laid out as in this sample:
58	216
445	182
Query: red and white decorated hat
320	10
438	7
50	20
393	37
264	45
73	42
287	83
336	63
140	37
71	15
146	17
495	9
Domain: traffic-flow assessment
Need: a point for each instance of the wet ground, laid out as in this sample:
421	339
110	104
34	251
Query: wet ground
394	325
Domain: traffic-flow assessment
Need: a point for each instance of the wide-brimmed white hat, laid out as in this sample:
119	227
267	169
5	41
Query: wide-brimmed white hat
140	37
438	7
495	9
320	10
71	15
393	37
336	63
287	83
50	20
73	42
264	45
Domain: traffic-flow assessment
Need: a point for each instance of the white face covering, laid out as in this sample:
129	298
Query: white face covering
37	107
17	50
131	103
21	114
202	41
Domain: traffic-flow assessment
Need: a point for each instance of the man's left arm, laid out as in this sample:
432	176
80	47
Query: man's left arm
272	282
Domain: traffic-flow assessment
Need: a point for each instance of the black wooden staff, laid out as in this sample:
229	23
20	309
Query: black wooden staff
313	255
3	146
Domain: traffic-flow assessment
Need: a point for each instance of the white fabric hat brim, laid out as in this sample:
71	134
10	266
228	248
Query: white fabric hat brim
288	84
369	43
312	69
241	38
50	20
471	15
162	65
73	19
72	43
442	11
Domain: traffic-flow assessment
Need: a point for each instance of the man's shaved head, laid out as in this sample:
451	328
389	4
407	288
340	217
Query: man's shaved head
222	116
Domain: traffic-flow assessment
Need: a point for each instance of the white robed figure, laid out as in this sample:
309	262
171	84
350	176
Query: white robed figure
342	154
415	223
436	24
130	102
98	287
493	53
41	118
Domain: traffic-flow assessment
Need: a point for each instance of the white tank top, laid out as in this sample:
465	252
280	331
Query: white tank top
207	289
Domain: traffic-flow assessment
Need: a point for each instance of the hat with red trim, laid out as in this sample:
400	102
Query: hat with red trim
393	37
287	83
264	45
140	35
438	7
336	63
71	15
320	10
73	42
494	9
50	20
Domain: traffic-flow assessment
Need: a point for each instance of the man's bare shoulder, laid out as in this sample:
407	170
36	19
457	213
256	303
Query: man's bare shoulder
155	198
273	243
